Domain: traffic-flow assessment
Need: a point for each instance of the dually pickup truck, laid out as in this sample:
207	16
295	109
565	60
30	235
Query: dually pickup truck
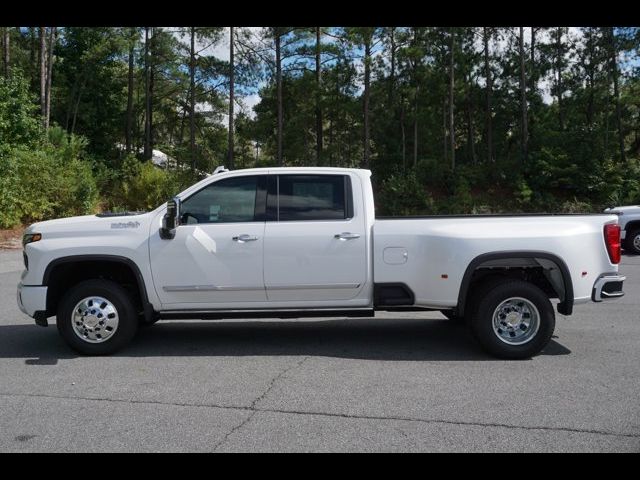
299	242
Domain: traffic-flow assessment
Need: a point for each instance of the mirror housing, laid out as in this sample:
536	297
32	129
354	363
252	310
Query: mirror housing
171	219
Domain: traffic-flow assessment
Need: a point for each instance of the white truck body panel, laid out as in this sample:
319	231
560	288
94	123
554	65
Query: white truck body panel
446	246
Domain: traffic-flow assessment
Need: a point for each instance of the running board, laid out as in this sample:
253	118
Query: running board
229	314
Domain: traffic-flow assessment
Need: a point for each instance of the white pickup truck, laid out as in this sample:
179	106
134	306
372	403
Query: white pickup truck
629	220
297	242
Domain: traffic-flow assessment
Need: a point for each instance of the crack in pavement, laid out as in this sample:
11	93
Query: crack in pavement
254	409
255	401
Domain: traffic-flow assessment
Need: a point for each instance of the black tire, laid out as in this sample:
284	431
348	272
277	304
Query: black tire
628	241
482	319
116	295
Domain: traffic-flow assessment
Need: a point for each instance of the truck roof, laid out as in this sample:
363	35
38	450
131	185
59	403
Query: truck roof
297	169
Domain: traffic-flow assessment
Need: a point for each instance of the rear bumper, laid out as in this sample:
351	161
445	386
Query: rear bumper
32	299
608	287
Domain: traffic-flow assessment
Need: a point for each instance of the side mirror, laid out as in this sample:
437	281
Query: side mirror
171	219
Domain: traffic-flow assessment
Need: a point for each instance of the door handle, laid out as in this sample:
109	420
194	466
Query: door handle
245	238
346	236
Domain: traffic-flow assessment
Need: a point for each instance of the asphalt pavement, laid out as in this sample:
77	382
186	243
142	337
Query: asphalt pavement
396	382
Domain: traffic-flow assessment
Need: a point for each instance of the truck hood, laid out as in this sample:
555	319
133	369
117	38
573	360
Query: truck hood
85	224
630	209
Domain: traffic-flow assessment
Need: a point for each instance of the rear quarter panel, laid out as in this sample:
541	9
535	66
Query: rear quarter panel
439	250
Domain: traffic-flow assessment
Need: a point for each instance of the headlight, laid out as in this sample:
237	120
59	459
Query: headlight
30	238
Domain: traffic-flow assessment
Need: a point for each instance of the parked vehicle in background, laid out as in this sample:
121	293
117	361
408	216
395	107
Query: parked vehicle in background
629	221
297	242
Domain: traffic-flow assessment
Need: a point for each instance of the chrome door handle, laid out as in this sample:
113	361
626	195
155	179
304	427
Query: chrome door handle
244	238
346	236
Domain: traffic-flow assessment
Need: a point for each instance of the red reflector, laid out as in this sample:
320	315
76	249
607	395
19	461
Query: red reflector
612	241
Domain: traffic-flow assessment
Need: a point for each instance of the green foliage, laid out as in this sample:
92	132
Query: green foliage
143	186
18	125
44	183
402	194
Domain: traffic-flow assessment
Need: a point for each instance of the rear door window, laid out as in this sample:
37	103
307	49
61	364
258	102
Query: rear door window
314	197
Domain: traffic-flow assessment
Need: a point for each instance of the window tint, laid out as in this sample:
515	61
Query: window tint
225	201
312	197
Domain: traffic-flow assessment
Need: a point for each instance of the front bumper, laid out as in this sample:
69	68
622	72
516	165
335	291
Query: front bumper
608	287
32	300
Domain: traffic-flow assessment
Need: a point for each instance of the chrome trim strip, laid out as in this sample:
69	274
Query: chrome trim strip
309	286
209	288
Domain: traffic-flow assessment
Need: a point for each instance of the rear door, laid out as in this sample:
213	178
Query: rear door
315	243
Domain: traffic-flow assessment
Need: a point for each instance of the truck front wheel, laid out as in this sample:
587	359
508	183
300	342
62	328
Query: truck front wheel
513	319
97	317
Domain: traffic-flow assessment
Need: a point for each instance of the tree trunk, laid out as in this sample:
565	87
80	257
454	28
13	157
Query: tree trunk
404	140
6	43
470	140
616	91
489	94
559	76
590	80
147	95
231	97
452	135
523	98
192	102
76	107
279	93
532	63
53	37
367	79
319	133
415	127
43	73
445	138
392	75
130	86
33	47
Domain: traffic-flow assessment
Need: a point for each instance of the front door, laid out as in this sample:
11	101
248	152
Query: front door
215	259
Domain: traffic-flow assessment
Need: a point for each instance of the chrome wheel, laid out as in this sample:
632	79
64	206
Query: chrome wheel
516	321
636	242
94	319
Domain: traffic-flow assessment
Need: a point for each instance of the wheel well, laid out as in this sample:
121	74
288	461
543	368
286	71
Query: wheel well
63	275
632	225
545	271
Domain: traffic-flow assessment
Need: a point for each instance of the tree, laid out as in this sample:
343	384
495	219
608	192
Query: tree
148	117
486	36
451	92
231	94
614	73
318	95
132	40
6	47
43	73
53	38
523	98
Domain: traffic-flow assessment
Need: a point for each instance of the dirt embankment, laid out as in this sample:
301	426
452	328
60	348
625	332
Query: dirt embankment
11	239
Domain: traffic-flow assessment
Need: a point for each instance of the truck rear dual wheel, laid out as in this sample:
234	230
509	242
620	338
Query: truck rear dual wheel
513	319
632	242
97	317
